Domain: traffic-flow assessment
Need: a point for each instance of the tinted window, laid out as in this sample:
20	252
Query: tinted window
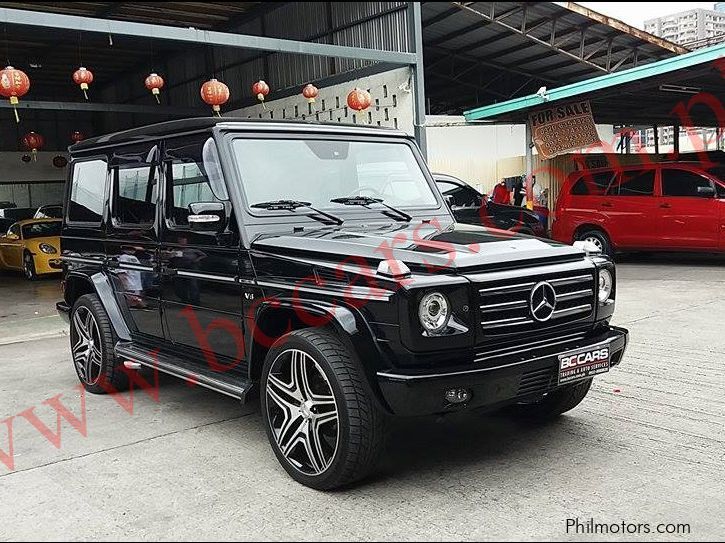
636	183
88	188
41	230
594	184
459	196
194	175
135	187
682	183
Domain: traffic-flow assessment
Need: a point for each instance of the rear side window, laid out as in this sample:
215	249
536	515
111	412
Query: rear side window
88	191
593	184
682	182
135	185
637	183
193	175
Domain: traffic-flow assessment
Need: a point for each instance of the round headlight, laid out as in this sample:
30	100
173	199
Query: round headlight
47	249
605	285
434	312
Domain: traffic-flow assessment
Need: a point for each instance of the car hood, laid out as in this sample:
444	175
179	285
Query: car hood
421	246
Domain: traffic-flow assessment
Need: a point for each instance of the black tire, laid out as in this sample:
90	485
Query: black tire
555	403
599	238
360	423
108	369
29	267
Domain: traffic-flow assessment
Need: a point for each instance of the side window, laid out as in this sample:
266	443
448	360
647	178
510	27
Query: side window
88	191
15	229
637	183
135	185
193	174
594	184
460	196
682	182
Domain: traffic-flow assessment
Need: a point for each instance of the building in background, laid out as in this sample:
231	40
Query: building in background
693	28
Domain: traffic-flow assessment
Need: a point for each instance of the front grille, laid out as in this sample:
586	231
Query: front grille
505	299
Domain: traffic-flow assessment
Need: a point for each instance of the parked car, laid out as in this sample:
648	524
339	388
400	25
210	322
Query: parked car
667	206
32	246
471	207
53	211
318	266
17	213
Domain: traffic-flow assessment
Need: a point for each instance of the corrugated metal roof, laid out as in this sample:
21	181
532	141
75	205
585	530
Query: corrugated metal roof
477	52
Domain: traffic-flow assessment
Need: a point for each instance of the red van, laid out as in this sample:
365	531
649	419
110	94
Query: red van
659	207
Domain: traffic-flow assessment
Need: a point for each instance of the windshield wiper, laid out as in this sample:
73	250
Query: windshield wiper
365	201
292	205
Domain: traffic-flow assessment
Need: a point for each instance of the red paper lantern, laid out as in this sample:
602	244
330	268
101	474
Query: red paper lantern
154	82
77	136
14	84
33	142
215	93
260	89
310	92
83	77
359	99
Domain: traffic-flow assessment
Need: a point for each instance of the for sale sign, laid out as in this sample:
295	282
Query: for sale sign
563	128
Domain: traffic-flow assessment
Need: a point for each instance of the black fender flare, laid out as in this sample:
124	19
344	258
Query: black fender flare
348	321
105	293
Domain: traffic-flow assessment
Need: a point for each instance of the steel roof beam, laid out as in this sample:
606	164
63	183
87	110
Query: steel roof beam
196	36
170	111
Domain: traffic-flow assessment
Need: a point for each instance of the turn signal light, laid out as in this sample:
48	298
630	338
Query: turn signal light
458	395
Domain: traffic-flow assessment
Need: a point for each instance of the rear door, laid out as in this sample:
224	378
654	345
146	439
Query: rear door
201	293
689	219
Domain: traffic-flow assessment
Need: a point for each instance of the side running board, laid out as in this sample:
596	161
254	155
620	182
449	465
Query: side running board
232	383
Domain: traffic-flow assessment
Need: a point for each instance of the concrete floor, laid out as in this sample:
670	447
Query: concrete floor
647	445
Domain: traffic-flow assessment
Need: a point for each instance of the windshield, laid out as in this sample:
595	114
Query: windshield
41	230
317	171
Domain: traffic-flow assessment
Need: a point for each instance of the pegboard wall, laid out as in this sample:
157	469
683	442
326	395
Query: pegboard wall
392	103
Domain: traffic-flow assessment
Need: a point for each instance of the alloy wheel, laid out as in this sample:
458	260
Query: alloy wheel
28	266
302	412
86	346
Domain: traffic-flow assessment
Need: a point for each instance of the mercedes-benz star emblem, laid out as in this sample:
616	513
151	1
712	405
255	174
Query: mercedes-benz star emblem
542	301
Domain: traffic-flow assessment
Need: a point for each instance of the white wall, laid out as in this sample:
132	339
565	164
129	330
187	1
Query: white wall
392	103
14	170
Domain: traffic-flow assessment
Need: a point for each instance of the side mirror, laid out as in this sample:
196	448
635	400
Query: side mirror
706	192
207	216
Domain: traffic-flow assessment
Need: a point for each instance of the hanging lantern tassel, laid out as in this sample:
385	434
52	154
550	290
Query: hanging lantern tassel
14	101
260	89
14	84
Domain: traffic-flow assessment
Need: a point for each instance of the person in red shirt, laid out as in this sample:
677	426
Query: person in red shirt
501	194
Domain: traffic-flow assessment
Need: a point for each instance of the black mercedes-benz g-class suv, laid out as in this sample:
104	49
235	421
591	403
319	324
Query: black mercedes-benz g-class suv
318	266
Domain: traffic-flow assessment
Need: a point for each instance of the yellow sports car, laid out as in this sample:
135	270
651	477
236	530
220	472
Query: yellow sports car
32	246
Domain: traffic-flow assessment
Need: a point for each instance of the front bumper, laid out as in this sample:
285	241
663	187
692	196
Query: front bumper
520	375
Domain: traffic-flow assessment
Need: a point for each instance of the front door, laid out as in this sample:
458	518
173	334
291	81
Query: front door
132	241
201	293
689	219
11	248
633	207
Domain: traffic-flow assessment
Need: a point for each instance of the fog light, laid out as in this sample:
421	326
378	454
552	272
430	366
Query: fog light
458	395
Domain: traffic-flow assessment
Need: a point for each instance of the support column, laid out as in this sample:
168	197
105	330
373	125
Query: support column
676	141
657	138
529	166
415	39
